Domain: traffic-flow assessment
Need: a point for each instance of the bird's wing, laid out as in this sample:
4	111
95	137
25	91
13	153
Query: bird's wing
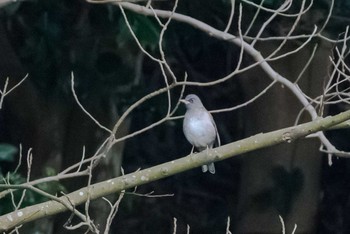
218	137
216	129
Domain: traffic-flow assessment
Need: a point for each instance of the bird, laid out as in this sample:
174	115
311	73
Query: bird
199	127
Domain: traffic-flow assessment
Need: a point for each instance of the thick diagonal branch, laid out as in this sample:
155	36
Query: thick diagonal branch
164	170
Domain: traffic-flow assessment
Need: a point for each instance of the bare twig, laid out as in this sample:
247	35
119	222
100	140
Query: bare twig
83	109
167	169
4	92
231	16
228	226
114	210
175	225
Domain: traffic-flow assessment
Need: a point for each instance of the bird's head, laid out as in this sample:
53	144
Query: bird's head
192	101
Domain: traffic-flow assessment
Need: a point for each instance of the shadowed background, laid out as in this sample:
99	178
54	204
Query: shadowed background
48	39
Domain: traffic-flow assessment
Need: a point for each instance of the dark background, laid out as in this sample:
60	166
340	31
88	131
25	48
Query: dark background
49	39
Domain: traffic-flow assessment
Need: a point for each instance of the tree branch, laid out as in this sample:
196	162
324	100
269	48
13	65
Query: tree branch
98	190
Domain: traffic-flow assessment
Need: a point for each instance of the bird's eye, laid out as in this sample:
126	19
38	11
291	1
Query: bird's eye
191	100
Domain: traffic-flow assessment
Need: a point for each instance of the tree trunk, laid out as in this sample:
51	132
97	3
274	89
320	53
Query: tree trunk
282	180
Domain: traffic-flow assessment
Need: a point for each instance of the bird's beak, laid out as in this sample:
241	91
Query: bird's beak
184	101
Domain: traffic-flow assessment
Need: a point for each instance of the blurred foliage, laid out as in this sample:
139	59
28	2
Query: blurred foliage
30	197
7	155
7	152
145	29
54	38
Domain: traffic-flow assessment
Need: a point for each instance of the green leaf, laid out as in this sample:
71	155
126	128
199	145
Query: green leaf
7	152
145	29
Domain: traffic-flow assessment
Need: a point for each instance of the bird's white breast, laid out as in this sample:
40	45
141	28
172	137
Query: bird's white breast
200	130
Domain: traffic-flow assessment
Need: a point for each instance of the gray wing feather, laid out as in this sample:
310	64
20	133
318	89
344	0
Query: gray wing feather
216	129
